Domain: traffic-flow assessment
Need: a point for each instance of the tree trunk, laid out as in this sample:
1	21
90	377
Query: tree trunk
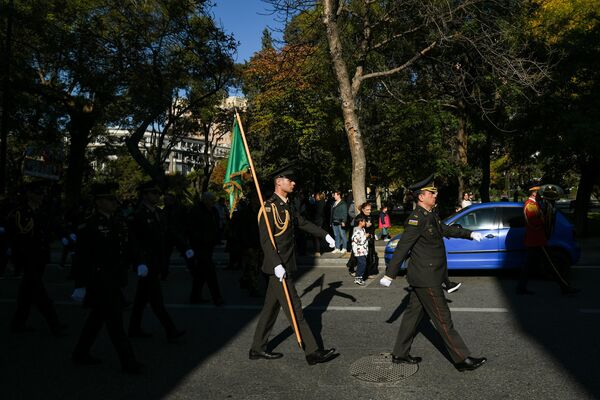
484	188
584	192
6	98
208	169
348	97
461	149
156	172
81	125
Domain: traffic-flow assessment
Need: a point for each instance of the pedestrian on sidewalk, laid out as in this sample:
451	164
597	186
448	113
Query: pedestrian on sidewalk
384	223
339	215
360	248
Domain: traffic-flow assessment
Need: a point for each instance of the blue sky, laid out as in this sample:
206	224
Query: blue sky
245	19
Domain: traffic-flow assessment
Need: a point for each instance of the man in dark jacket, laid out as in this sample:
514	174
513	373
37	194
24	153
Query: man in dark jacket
423	238
280	263
148	245
29	229
100	271
203	231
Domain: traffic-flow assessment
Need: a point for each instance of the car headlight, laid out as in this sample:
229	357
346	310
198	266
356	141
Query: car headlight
392	244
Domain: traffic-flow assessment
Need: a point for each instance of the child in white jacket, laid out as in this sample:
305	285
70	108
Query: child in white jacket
360	248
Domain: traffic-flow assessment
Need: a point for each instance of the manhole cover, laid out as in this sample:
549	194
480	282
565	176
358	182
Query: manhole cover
381	369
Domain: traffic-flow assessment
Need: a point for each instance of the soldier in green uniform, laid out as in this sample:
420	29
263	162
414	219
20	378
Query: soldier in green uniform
280	264
423	238
148	232
100	271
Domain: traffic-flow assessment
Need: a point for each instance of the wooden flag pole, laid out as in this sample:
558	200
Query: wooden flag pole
263	212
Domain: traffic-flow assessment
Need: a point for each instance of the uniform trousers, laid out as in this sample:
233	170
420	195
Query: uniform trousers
430	301
32	291
274	300
149	291
536	257
203	271
107	311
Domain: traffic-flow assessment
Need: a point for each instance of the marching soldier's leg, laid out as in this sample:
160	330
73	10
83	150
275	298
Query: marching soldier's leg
90	331
411	318
435	305
196	292
268	316
211	278
25	299
310	344
155	298
137	310
46	307
116	332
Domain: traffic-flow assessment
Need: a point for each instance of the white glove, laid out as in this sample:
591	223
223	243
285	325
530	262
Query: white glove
280	272
142	270
2	230
330	241
385	281
78	294
73	237
64	241
476	236
189	253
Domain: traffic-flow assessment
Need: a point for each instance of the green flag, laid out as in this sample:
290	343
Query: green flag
237	165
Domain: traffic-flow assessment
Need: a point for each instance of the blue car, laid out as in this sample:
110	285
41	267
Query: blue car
502	225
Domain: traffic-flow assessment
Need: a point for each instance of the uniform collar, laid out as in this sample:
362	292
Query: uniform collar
279	199
423	210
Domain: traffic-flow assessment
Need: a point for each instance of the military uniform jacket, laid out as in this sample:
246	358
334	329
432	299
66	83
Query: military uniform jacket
423	241
148	233
203	227
282	219
100	262
30	233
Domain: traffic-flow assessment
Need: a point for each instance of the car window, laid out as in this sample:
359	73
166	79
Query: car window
512	217
482	218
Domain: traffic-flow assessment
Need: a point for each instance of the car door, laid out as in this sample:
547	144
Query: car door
511	235
470	254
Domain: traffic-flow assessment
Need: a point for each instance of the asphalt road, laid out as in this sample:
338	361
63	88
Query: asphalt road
538	347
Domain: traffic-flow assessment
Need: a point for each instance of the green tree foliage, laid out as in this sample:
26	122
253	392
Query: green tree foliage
88	64
562	130
292	115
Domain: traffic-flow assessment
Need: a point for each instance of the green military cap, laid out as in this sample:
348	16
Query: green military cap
424	185
285	172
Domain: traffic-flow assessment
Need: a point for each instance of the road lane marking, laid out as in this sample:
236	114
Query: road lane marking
259	307
231	306
322	308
